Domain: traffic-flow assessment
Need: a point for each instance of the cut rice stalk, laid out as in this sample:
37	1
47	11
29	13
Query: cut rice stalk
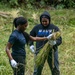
43	54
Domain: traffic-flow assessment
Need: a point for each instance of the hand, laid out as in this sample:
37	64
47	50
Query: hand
49	36
52	42
13	63
32	48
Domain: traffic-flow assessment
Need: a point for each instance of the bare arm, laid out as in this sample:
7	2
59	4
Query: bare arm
8	46
38	38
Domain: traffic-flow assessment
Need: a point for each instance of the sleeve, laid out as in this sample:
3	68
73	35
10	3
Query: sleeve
12	39
59	40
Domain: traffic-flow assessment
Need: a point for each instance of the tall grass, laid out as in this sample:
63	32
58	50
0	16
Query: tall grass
64	19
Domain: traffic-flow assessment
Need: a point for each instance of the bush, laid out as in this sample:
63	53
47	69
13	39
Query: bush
69	3
40	3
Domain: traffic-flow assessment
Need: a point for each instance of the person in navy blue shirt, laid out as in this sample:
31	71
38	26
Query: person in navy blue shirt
44	29
17	41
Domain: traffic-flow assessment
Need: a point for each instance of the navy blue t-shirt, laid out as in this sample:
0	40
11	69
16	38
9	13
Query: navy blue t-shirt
18	41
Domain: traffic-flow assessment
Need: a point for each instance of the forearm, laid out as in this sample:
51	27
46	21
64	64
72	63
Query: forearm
8	46
9	54
12	61
38	38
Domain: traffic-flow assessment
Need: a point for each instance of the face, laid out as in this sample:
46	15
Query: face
45	21
23	27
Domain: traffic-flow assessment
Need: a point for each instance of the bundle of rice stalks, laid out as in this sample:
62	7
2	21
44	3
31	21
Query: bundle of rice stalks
43	54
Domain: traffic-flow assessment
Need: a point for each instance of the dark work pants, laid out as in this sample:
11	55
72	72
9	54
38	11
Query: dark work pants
21	65
52	62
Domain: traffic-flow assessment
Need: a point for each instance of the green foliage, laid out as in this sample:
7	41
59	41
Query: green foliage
13	2
71	22
41	3
69	3
60	6
4	6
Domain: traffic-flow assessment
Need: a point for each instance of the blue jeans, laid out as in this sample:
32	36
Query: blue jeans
52	62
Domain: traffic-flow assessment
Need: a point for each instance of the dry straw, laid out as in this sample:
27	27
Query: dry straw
43	54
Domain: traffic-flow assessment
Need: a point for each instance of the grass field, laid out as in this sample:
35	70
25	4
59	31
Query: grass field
64	19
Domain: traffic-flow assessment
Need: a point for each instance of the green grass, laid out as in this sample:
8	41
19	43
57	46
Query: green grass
64	19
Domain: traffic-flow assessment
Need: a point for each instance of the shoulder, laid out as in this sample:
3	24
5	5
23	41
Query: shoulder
14	33
13	37
54	26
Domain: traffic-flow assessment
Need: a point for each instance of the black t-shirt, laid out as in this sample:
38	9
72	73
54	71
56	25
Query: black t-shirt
18	41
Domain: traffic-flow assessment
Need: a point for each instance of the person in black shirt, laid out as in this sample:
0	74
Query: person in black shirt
44	29
17	41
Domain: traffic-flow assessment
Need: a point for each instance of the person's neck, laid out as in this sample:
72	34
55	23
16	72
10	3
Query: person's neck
17	29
